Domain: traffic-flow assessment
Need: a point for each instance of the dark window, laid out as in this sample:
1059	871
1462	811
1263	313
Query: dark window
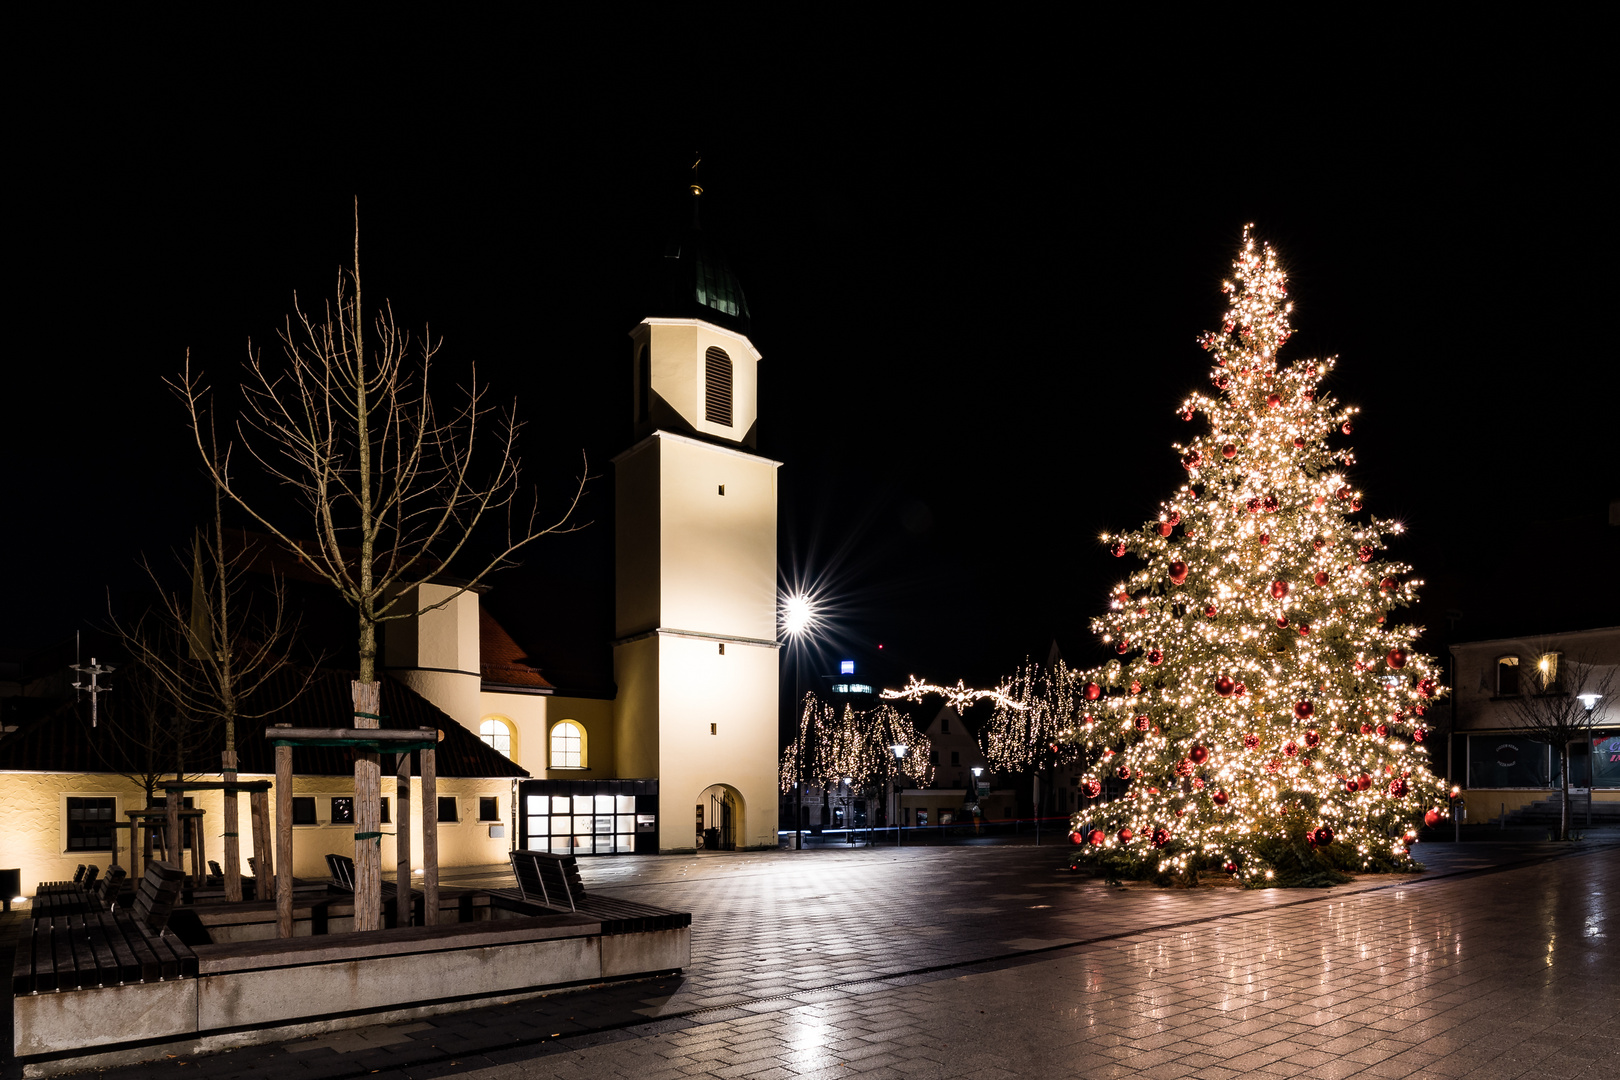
1502	761
304	810
717	387
956	757
944	725
343	811
1507	676
447	808
488	808
643	379
384	818
90	824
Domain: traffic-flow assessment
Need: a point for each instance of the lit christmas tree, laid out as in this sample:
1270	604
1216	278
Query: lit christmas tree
1265	712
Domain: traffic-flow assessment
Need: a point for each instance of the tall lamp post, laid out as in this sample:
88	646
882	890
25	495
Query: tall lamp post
798	615
1590	701
978	810
899	760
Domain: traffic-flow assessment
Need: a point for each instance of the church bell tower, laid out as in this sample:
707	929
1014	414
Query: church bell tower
695	652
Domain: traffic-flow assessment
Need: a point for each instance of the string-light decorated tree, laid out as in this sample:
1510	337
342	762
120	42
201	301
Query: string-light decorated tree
1265	710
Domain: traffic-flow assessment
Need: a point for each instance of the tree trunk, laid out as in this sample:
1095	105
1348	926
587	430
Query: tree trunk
284	855
368	914
402	838
430	837
232	856
1563	810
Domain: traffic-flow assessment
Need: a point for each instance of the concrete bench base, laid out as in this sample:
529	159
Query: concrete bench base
268	991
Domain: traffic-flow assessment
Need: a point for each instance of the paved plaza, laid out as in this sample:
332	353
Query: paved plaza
996	961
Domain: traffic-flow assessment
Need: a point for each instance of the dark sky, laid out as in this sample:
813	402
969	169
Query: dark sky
977	299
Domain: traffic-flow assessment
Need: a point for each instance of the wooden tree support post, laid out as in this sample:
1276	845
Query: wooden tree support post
430	839
264	863
368	913
402	837
284	861
232	856
173	847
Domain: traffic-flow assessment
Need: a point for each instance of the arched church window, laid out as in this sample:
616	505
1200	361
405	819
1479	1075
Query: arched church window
717	387
567	746
496	735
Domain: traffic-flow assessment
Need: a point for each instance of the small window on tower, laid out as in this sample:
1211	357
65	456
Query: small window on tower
717	387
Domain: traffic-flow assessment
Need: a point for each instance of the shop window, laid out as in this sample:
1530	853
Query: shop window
1502	761
1507	676
1605	760
447	810
90	823
304	810
488	808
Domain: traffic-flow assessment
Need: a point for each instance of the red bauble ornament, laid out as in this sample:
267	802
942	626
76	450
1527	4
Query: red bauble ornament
1118	550
1222	382
1142	723
1198	754
1343	493
1136	686
1224	686
1363	781
1273	765
1418	735
1269	504
1299	443
1209	611
1161	836
1355	504
1123	646
1351	786
1219	798
1229	451
1347	428
1383	729
1187	414
1312	738
1426	688
1174	518
1282	622
1123	597
1304	709
1396	658
1304	629
1397	787
1387	584
1165	528
1319	542
1097	837
1093	691
1155	657
1265	538
1273	400
1308	395
1198	783
1291	748
1253	505
1092	787
1279	589
1178	572
1324	836
1125	835
1239	690
1251	741
1192	459
1432	818
1318	501
1076	838
1184	767
1124	772
1230	867
1366	552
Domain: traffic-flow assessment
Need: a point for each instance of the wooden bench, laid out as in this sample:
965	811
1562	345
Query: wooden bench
553	882
342	869
102	896
67	952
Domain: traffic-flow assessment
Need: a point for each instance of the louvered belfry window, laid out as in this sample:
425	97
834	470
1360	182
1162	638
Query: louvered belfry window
717	387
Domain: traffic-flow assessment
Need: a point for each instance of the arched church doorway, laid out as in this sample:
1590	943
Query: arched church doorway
719	818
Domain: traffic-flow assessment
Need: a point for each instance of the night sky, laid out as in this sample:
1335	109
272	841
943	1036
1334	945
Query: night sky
977	303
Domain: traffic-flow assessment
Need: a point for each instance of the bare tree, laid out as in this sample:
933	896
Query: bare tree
391	490
233	649
1562	700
